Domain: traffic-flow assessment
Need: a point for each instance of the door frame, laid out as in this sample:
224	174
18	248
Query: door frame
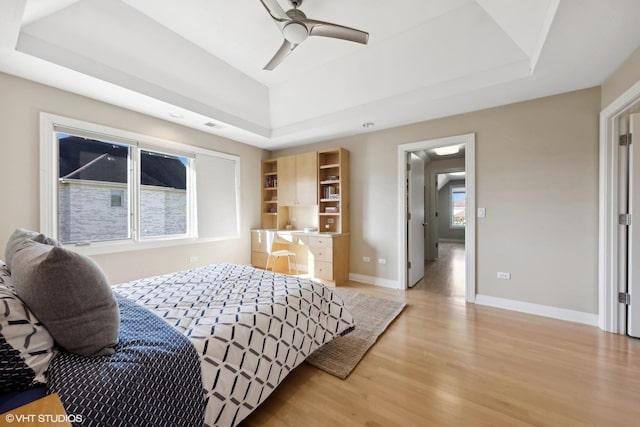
611	315
469	141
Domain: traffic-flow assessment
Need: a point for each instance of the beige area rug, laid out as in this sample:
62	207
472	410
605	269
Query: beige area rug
372	316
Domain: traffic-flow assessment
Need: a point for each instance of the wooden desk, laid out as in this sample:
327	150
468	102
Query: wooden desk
323	256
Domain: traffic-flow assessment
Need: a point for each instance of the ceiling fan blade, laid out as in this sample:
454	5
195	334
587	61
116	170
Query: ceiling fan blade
280	55
274	9
327	29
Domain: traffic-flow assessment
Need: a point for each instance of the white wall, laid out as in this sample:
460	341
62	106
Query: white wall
622	79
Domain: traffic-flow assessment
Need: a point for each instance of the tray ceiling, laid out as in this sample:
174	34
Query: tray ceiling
203	59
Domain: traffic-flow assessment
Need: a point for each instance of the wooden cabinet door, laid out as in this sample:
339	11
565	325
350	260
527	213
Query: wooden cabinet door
307	178
287	181
323	270
259	241
298	179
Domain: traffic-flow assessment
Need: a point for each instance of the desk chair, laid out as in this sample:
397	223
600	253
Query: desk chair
272	240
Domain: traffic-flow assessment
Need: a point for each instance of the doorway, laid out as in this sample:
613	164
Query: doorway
612	313
468	143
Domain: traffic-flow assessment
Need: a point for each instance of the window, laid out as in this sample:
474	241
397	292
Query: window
108	186
458	206
116	198
163	194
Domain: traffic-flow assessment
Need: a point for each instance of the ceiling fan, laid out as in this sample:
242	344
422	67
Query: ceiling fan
296	27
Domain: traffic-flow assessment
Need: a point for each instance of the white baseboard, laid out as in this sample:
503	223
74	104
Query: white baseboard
539	310
370	280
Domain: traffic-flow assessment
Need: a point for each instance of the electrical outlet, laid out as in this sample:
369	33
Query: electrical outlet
382	261
366	258
503	275
193	259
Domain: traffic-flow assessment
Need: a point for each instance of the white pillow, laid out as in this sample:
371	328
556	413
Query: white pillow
26	347
5	277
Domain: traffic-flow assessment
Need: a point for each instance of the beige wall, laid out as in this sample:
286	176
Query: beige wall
536	167
537	177
21	102
622	79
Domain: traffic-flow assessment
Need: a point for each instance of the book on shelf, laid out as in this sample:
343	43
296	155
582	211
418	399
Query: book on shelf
331	209
328	192
270	182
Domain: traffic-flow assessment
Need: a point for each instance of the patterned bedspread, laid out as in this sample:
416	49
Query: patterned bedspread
250	327
153	379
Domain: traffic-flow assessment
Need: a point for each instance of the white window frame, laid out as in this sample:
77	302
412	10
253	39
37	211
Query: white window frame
49	186
455	189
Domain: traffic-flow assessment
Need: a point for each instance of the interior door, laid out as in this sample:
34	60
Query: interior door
436	218
415	222
633	248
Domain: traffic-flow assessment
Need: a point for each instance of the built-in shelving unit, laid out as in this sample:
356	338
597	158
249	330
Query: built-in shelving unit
272	213
319	180
333	190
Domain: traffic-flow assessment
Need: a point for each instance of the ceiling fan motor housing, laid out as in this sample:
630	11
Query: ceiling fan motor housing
295	32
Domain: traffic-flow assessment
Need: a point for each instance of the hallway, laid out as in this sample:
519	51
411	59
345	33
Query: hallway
445	276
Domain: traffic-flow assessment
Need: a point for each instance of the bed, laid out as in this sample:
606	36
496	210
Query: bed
199	347
249	327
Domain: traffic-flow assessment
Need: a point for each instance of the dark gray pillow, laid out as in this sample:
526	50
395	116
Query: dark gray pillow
19	236
70	295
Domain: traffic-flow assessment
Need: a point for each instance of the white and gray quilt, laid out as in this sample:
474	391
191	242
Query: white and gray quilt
250	328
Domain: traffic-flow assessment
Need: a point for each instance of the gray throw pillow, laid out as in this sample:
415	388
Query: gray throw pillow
70	295
19	236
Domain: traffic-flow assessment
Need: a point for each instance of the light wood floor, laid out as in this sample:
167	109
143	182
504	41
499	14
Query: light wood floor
447	363
445	276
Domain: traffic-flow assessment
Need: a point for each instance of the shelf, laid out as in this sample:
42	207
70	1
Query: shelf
330	166
329	214
330	182
270	213
330	200
270	173
270	188
270	201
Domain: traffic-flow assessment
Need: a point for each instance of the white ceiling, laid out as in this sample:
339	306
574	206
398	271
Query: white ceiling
425	59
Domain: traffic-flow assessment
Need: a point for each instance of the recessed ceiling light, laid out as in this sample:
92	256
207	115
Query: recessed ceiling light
443	151
368	125
176	115
211	124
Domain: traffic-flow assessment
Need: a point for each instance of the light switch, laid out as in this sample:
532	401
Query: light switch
481	212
